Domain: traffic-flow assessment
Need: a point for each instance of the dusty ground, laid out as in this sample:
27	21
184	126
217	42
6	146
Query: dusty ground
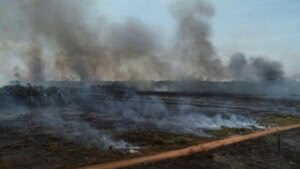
257	154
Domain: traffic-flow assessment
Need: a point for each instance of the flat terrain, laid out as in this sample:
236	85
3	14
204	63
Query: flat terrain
256	154
69	137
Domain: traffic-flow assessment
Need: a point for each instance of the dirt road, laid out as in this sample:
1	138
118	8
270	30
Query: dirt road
190	150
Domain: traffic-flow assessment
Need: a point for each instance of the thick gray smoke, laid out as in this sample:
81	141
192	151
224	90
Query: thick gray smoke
95	51
133	114
36	64
255	68
64	40
76	129
61	40
138	113
63	23
268	70
193	47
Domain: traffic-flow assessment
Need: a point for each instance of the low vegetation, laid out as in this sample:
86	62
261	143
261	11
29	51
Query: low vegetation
226	131
157	139
35	95
279	120
267	121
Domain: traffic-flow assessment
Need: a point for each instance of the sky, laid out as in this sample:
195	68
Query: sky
269	28
256	27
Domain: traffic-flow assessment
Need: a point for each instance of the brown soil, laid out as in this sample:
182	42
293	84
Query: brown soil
191	150
260	153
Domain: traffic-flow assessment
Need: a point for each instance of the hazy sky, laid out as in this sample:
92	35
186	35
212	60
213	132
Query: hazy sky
256	27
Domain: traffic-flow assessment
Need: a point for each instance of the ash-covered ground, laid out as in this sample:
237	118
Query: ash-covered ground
262	153
69	127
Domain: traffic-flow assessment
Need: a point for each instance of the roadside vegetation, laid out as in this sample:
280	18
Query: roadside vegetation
279	120
226	131
158	140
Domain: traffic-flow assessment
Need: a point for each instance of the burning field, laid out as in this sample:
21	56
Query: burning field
69	127
80	88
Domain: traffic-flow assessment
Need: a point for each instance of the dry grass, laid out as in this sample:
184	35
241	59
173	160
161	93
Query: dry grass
279	120
226	131
158	140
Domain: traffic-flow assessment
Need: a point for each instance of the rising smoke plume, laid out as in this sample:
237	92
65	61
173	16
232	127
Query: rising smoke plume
193	47
95	51
255	68
61	40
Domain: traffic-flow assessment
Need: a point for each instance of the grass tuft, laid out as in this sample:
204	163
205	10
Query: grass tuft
279	120
156	138
226	131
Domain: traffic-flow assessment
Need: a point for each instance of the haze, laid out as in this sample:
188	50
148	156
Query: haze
148	40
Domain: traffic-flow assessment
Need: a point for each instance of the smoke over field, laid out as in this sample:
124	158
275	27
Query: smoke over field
80	114
86	84
92	115
61	40
256	68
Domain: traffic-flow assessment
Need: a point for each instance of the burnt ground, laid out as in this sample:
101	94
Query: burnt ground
26	144
262	153
39	147
24	151
43	151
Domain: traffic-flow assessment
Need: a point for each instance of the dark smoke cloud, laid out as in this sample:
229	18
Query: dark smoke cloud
35	64
268	70
255	68
65	42
239	67
95	51
193	44
63	23
132	37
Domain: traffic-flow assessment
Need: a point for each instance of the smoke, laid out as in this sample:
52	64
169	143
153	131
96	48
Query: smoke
63	23
64	40
35	64
95	51
193	47
92	119
268	70
255	68
75	129
138	113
